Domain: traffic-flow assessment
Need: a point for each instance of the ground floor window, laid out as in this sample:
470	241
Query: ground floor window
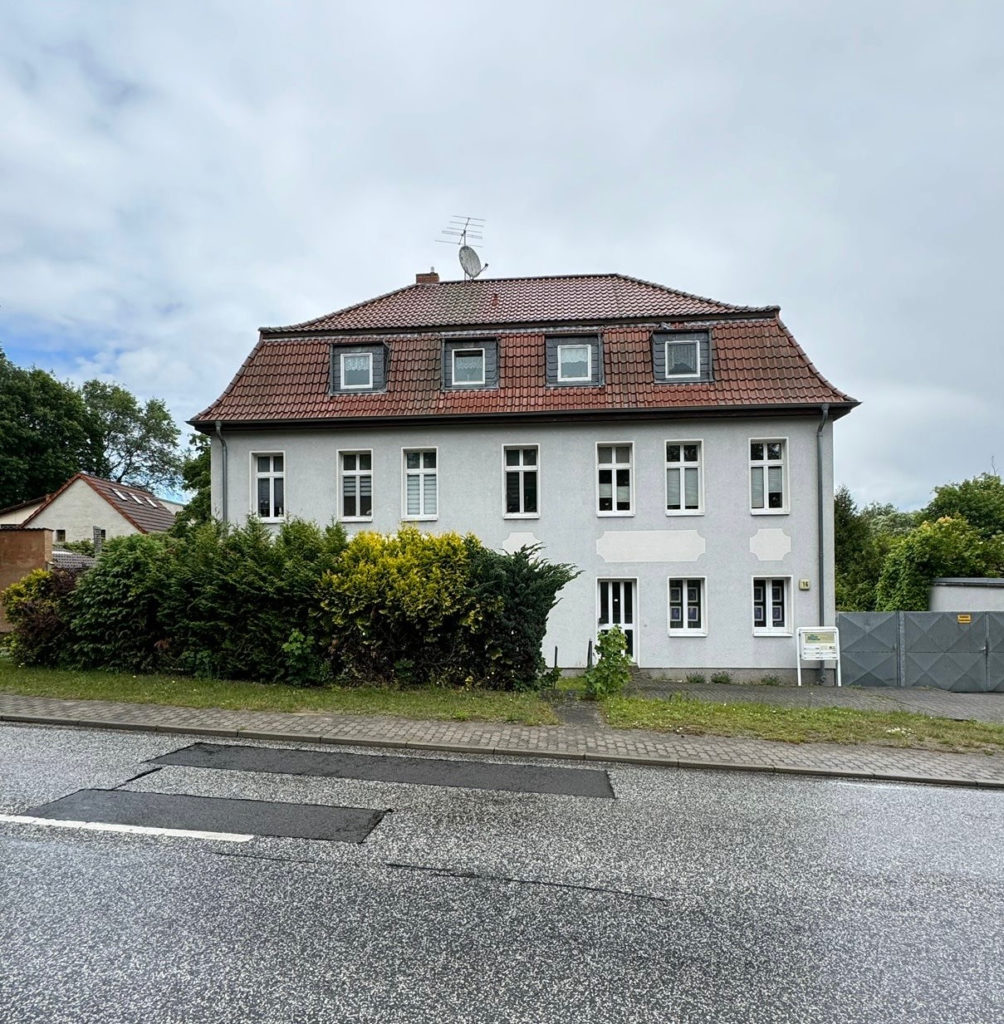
686	607
771	601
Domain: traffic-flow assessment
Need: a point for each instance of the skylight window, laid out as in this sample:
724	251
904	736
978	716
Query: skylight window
151	502
137	499
120	495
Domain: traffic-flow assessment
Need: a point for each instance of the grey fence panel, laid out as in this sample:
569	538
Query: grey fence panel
995	651
869	648
944	653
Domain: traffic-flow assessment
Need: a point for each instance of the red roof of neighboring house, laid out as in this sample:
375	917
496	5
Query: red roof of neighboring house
755	360
135	504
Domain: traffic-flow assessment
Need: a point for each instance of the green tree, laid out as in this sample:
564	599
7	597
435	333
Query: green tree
138	443
195	476
48	434
980	501
945	547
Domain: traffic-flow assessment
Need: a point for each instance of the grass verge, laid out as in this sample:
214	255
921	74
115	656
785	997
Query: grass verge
689	716
182	691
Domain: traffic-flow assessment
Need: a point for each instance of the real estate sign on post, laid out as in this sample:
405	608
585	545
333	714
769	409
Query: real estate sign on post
818	643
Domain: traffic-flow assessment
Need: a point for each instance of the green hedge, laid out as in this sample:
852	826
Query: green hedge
302	605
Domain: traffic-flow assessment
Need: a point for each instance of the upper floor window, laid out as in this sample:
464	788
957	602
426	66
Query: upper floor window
683	478
470	363
269	485
683	359
521	481
767	476
574	363
468	366
421	498
681	355
357	485
357	370
574	360
613	479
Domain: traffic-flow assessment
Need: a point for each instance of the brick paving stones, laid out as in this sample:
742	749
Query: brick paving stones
587	738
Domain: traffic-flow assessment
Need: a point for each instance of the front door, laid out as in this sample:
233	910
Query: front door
617	608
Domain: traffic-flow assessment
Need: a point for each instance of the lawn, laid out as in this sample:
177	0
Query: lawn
689	716
183	691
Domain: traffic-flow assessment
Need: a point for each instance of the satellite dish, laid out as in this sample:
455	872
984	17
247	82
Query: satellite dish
470	261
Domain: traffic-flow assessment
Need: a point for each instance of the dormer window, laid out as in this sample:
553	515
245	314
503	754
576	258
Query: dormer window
468	366
575	364
357	370
470	363
681	356
683	359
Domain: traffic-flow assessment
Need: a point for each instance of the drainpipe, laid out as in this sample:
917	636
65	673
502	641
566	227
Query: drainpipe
223	487
819	512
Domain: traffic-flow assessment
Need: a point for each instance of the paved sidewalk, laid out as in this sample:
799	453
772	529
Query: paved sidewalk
586	739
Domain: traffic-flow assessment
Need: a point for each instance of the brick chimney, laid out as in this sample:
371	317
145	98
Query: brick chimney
431	278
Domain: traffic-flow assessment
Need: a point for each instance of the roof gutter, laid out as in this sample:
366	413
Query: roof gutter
820	516
223	487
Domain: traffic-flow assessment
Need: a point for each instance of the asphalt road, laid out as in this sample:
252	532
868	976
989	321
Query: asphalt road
690	897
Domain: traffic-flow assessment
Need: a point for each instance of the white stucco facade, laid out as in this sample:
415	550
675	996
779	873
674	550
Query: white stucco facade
75	513
724	548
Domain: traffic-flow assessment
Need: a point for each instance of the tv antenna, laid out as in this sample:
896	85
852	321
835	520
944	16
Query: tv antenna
465	232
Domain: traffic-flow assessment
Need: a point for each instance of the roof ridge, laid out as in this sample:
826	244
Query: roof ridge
345	309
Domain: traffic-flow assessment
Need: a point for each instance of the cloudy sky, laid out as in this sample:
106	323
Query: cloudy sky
173	176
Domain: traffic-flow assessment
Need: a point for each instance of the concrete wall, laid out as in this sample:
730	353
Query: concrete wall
21	551
979	596
78	510
727	545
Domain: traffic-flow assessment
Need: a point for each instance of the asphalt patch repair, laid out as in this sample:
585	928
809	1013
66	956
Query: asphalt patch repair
213	814
417	771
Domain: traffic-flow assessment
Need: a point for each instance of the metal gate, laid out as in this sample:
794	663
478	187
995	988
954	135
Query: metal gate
943	650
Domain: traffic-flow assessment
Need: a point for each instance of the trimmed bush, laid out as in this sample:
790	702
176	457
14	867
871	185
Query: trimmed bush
441	609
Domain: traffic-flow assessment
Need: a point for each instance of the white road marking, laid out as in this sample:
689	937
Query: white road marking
140	830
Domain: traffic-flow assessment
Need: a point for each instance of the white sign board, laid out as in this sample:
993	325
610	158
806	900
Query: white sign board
818	643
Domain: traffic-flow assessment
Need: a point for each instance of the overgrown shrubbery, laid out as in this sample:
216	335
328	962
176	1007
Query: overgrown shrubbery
302	606
612	671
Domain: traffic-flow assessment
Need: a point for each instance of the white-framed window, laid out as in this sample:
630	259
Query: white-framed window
421	494
357	485
771	605
683	359
684	478
522	494
356	370
468	366
575	363
269	482
768	484
686	607
614	481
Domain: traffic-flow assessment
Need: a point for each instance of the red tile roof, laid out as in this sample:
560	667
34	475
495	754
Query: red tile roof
755	360
523	300
137	505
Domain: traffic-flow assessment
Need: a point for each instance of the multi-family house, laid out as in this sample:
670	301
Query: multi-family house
676	449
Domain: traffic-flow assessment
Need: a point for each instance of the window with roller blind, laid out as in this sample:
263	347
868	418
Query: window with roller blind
614	480
421	483
356	485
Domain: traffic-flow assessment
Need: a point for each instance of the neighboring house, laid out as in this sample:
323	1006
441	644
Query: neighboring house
677	450
87	503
